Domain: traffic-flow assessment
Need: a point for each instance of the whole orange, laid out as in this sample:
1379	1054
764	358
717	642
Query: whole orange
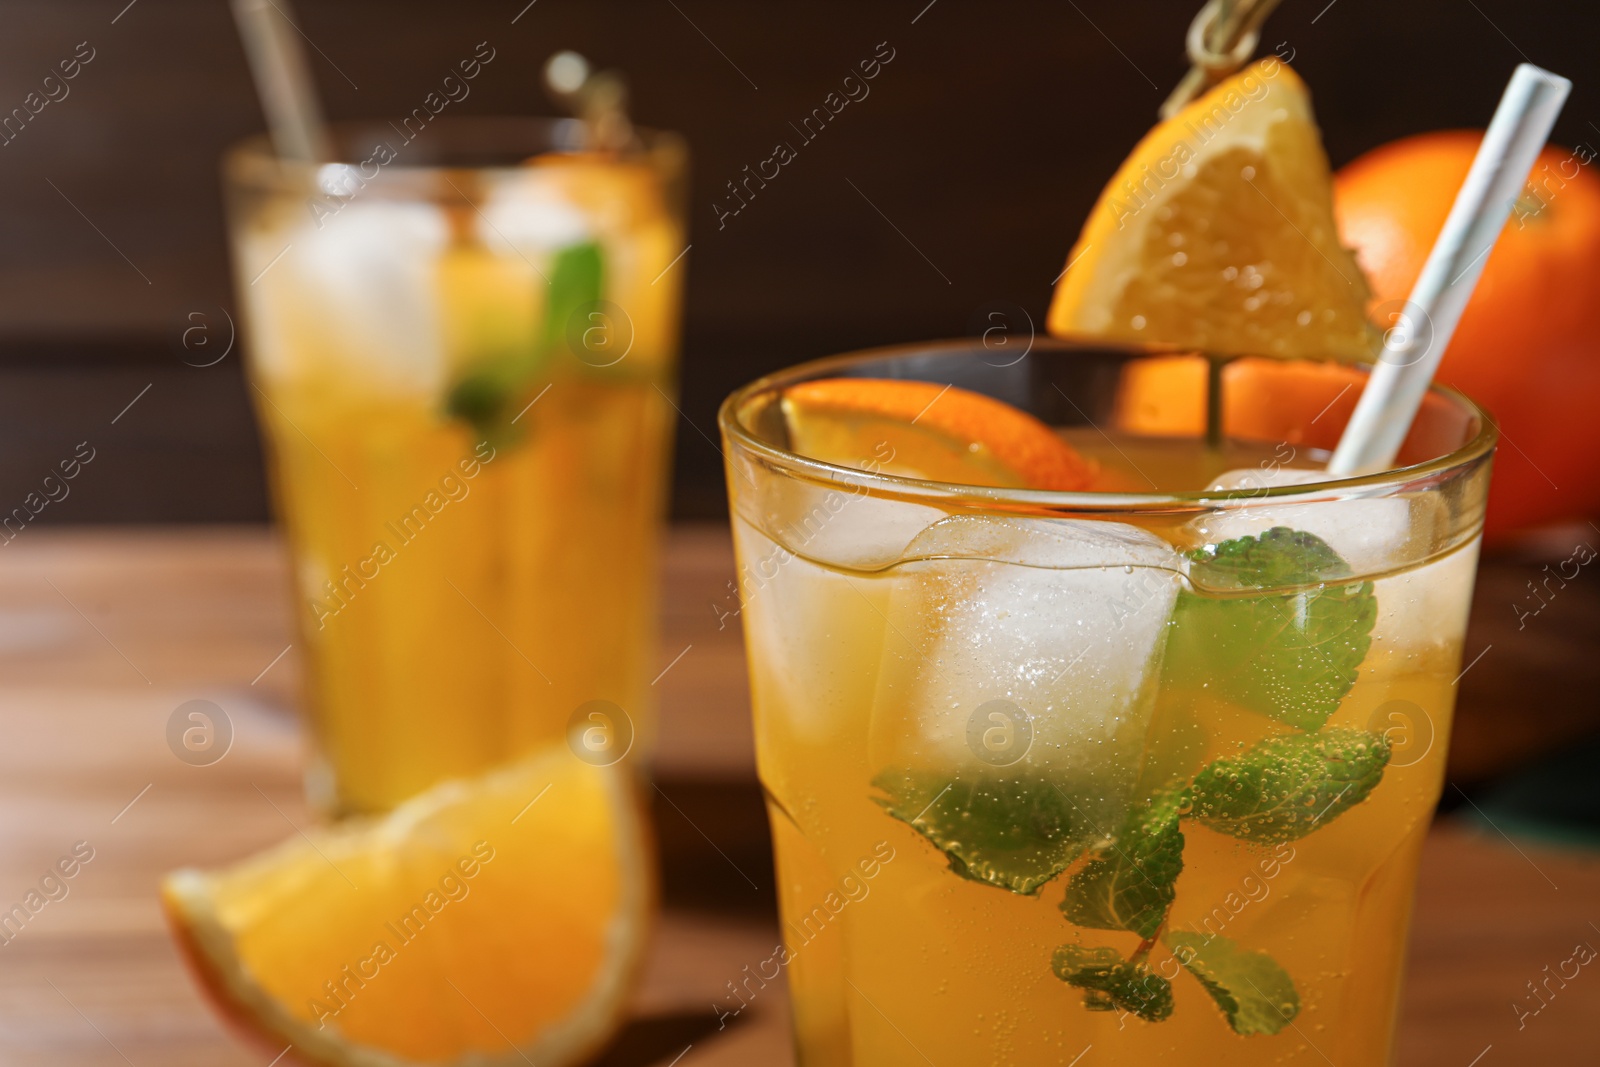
1528	345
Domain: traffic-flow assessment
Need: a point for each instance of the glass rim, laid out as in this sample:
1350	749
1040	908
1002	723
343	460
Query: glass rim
1380	483
252	162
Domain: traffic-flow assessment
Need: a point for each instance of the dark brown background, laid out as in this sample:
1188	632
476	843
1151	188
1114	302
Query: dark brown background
984	141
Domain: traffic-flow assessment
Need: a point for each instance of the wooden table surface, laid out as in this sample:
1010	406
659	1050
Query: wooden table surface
103	633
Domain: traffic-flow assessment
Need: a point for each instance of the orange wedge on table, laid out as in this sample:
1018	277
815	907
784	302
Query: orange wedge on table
1217	235
926	430
484	923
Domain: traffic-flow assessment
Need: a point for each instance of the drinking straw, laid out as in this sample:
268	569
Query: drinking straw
283	81
1413	348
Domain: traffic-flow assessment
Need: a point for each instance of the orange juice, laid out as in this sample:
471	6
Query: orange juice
1152	781
464	380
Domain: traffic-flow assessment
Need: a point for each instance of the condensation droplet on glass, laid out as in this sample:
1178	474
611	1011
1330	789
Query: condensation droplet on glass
1138	322
1229	273
1179	259
1304	318
1175	239
1248	173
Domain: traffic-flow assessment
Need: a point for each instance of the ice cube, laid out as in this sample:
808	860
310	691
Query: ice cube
528	214
352	289
1370	534
1060	619
1054	544
836	525
814	636
1426	606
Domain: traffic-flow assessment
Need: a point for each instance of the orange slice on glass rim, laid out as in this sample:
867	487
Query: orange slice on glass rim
1217	235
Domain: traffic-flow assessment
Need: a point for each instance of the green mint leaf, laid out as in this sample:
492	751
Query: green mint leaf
1110	982
1290	653
577	278
1129	884
1286	787
1276	559
1016	832
485	394
1256	994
